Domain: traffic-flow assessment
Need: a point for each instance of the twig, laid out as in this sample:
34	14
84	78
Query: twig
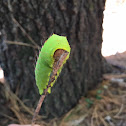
39	106
104	123
22	29
120	111
17	23
13	98
57	64
94	116
9	117
20	43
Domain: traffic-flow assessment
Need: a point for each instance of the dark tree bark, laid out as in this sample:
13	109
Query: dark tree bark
79	20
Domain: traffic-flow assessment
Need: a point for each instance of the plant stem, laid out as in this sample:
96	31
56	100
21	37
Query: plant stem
59	57
39	106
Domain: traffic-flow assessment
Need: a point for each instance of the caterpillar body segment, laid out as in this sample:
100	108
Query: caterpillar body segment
45	63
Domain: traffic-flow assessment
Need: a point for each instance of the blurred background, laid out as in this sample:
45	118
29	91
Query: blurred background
114	27
91	88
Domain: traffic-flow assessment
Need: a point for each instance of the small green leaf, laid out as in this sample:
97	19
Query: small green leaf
90	102
99	91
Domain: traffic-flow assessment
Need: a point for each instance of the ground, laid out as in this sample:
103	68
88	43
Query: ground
103	106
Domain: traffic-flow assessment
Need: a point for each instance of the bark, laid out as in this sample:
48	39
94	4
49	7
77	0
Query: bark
79	20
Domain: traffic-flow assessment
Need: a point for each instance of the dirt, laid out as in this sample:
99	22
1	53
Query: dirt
119	60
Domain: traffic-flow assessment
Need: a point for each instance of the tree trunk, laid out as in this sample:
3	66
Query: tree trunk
30	21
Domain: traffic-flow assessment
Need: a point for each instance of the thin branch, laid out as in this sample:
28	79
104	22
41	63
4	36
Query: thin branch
22	29
9	117
38	107
120	111
17	23
20	43
59	57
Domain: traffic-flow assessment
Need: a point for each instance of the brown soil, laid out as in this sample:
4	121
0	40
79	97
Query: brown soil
117	60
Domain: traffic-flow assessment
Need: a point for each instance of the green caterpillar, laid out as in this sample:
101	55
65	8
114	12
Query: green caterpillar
45	62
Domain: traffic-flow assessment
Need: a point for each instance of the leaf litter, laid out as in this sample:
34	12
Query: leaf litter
103	106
